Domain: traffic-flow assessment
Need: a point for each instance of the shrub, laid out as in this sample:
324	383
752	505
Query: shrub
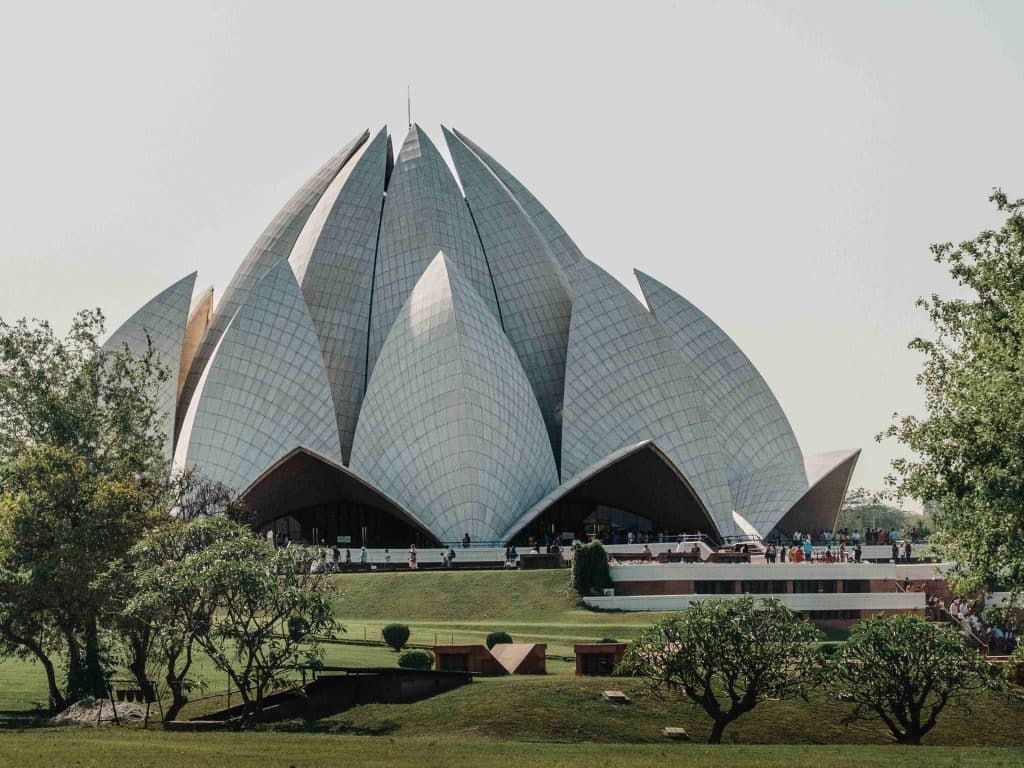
495	638
590	568
396	636
414	658
607	639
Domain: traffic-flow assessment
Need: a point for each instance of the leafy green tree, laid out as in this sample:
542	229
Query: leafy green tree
167	597
590	568
82	475
904	671
727	656
968	447
150	620
863	509
396	636
269	612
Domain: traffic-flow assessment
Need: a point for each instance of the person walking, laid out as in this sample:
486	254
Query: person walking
363	556
413	566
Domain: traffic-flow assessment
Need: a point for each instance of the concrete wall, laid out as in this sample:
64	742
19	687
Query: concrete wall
851	601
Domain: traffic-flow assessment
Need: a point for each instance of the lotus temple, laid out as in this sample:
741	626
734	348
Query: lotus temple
411	352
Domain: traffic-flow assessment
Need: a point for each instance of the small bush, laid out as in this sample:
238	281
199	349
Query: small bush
495	638
415	658
396	636
607	639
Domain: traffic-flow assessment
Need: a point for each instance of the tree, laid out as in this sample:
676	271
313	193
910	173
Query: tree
727	656
151	620
863	509
269	610
170	600
968	447
396	636
590	568
905	670
82	475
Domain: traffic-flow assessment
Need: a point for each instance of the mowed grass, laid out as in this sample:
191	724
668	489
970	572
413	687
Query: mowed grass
557	719
464	606
554	709
92	748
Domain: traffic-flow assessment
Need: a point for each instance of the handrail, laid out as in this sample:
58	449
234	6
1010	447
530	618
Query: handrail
967	630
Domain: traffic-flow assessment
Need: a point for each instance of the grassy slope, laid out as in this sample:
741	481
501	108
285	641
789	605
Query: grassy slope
554	709
462	607
558	708
157	749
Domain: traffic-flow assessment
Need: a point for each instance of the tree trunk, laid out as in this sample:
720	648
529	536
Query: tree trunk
176	682
95	680
715	737
138	670
57	700
178	698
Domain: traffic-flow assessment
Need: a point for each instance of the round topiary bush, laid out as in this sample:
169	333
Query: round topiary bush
607	639
414	658
495	638
396	636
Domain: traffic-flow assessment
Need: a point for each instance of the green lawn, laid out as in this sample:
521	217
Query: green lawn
90	748
554	709
463	606
556	719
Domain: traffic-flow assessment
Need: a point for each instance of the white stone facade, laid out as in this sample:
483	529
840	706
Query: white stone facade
484	390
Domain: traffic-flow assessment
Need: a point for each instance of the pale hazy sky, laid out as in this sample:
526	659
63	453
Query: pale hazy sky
782	165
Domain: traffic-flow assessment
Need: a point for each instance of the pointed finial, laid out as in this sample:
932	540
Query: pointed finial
408	103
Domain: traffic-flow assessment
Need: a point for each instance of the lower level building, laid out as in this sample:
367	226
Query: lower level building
826	593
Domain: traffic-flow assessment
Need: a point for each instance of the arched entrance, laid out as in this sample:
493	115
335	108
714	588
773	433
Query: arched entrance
637	486
306	497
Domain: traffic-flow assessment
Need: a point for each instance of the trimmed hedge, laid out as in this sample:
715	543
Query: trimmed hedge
396	636
414	658
497	637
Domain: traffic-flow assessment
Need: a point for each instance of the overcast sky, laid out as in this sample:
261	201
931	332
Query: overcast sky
784	166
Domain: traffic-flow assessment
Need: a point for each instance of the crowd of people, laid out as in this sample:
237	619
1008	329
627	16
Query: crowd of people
334	559
995	638
870	537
